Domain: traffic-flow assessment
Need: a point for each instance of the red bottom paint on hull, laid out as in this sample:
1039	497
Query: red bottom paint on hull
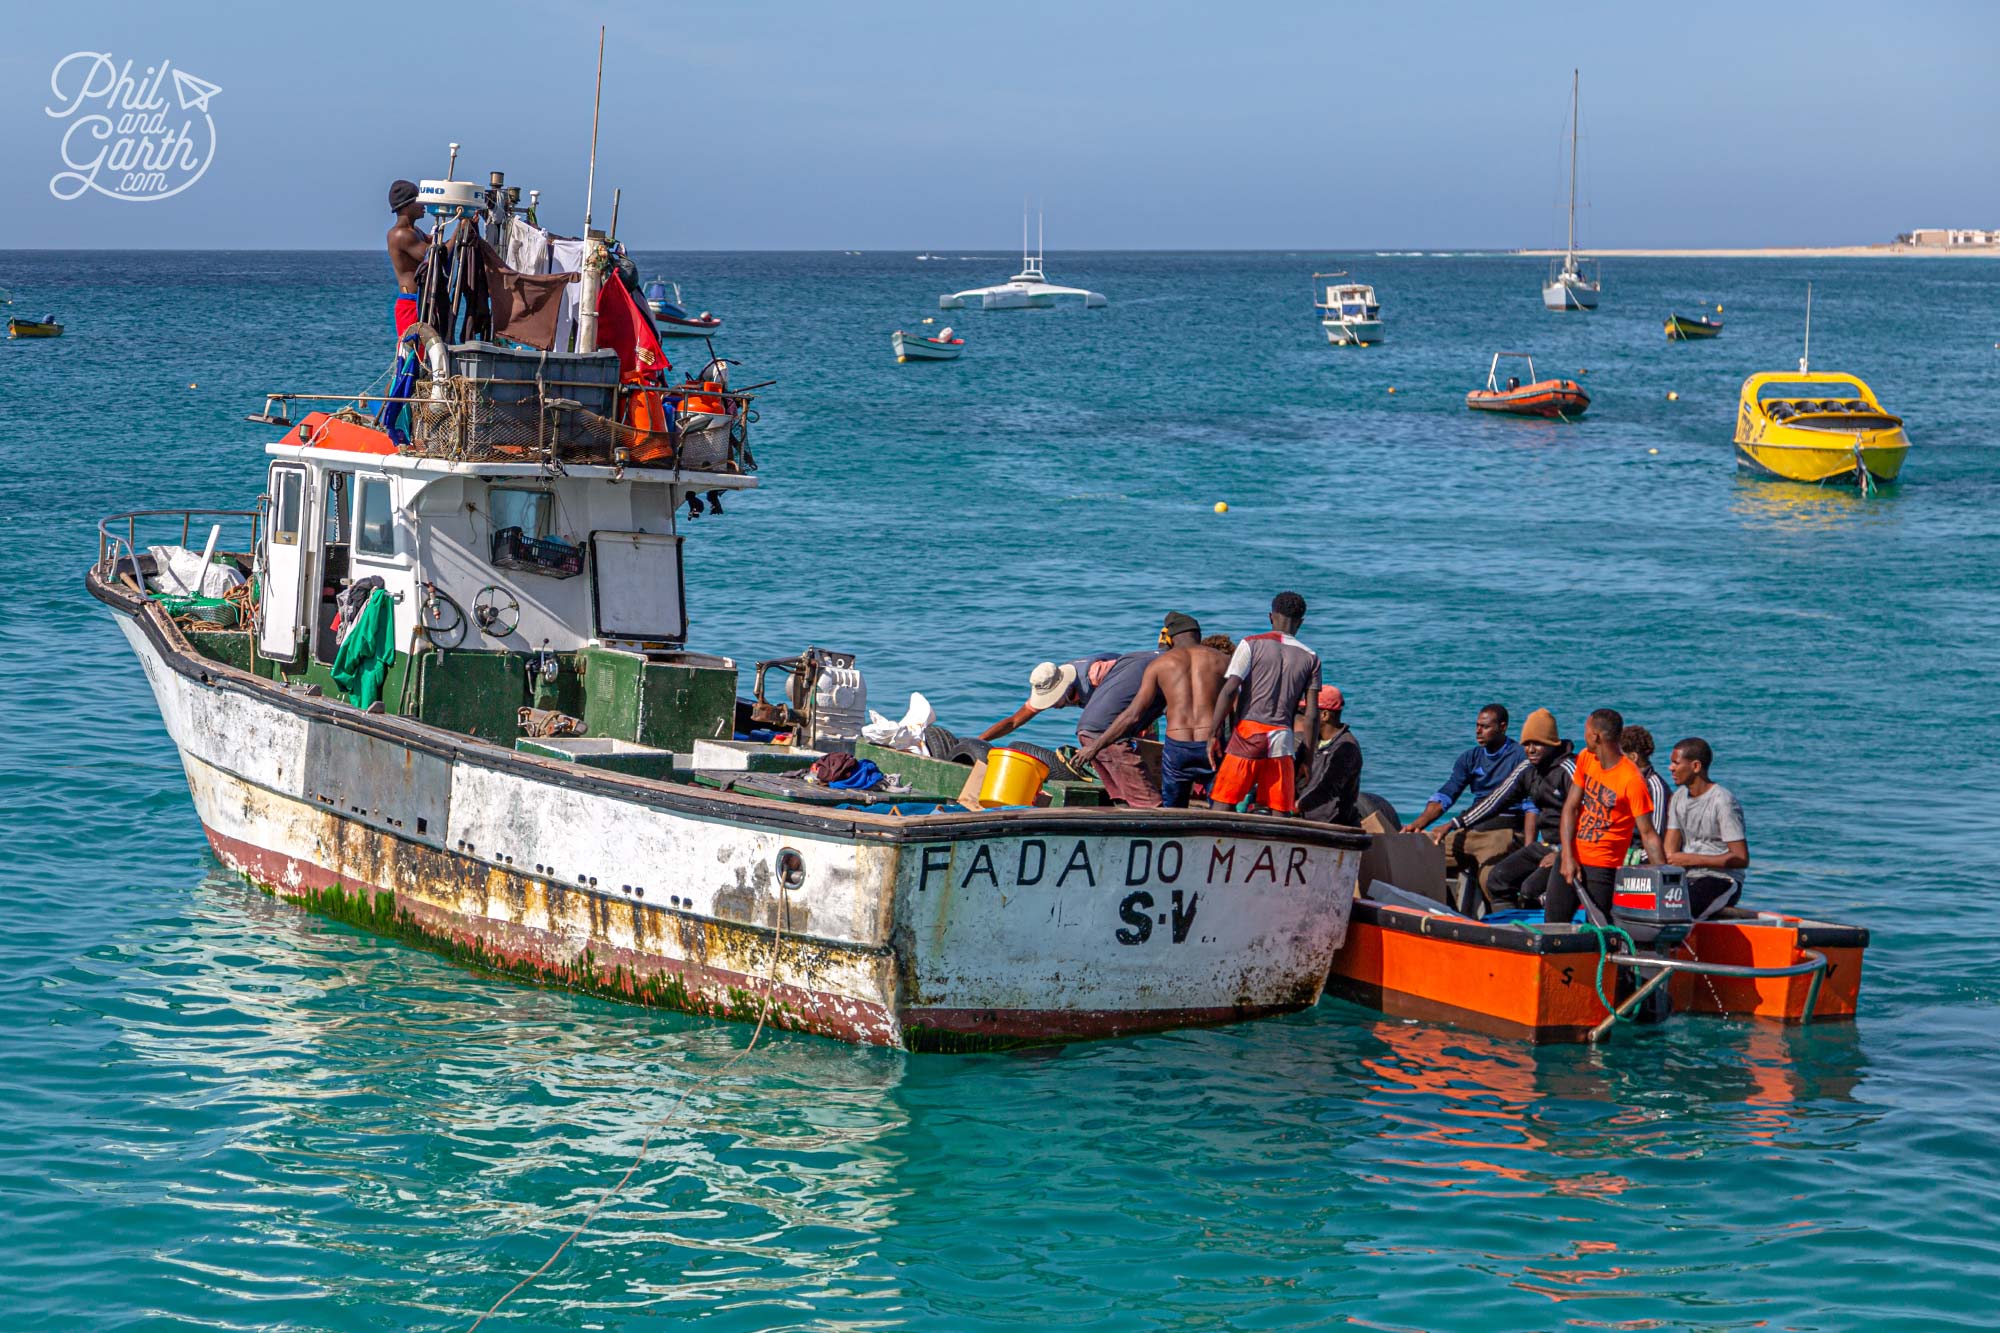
527	953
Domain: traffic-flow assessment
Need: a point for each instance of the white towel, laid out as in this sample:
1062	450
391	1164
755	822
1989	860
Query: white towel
527	247
566	256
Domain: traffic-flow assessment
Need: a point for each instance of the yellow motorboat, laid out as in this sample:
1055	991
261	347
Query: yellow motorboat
1817	426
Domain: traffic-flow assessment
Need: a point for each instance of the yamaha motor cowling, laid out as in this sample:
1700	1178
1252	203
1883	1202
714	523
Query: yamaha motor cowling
1650	904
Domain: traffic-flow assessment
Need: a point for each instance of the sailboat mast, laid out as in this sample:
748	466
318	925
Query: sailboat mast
1572	164
1805	362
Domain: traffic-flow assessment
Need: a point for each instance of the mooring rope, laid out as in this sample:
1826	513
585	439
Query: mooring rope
763	1012
1603	957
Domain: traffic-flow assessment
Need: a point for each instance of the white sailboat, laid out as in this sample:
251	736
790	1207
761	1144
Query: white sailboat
1026	290
1573	284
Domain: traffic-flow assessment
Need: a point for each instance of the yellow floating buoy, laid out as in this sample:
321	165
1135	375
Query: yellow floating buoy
1673	397
929	319
1652	451
1718	307
194	386
1392	388
901	359
1222	506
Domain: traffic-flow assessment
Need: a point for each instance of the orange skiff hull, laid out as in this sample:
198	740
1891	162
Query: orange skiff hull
1544	398
1513	983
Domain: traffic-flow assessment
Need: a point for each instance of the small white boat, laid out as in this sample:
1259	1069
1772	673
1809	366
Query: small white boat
1349	311
1026	290
923	347
671	317
1573	281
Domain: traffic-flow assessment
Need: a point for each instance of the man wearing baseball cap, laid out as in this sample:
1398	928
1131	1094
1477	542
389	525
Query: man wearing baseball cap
1103	686
1332	786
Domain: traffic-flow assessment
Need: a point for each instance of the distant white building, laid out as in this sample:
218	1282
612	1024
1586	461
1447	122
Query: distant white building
1950	236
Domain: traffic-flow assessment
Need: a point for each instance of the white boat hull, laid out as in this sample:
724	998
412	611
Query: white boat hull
1352	333
1561	295
910	347
953	933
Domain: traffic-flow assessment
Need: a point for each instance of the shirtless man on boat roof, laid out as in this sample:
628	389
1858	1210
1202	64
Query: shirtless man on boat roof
407	248
1187	677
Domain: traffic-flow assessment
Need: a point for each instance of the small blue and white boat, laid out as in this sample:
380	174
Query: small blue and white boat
663	298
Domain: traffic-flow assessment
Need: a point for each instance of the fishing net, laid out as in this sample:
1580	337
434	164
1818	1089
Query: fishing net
477	421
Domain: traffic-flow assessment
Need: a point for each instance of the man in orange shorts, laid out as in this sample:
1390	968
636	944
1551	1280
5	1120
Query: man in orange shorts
1267	714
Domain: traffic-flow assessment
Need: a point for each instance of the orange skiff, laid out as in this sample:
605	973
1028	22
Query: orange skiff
1544	398
1542	984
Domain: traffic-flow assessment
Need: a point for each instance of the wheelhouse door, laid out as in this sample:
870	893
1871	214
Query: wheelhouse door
282	597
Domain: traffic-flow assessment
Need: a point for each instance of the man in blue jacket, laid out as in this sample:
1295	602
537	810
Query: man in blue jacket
1493	756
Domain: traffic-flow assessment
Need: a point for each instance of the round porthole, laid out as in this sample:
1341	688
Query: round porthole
791	869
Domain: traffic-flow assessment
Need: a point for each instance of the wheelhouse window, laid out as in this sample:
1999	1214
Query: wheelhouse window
375	534
288	507
532	511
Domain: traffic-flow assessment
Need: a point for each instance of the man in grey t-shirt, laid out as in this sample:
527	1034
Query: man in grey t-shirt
1705	833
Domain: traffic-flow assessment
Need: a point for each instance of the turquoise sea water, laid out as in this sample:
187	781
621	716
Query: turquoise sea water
218	1112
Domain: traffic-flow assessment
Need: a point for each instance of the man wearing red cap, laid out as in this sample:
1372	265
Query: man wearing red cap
1332	786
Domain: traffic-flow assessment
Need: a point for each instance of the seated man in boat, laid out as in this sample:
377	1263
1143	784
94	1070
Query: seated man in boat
1267	714
1637	743
1608	804
1103	686
407	248
1705	830
1332	786
1513	383
1185	678
1473	846
1541	782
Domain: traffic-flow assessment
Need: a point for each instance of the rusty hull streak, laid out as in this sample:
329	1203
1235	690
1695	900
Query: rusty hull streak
525	926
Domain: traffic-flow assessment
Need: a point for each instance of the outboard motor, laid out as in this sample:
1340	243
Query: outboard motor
1650	904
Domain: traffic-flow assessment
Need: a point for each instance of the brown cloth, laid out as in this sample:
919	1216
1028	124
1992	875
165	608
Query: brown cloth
480	297
525	305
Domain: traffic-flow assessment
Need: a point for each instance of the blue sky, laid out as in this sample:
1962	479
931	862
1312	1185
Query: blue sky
905	126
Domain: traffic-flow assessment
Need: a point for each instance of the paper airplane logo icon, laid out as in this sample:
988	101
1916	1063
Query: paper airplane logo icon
194	93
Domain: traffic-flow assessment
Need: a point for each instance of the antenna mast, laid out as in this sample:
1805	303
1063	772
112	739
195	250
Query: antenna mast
596	102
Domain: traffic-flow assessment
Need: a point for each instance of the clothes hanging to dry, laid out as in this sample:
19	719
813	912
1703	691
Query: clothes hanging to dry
525	307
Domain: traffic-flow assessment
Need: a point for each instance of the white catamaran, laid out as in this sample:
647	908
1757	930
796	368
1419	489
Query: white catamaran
1026	290
1573	283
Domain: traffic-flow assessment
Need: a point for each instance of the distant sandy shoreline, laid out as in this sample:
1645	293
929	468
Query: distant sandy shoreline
1800	252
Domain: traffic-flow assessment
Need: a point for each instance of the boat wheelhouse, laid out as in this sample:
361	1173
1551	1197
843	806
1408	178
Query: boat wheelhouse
445	688
1348	311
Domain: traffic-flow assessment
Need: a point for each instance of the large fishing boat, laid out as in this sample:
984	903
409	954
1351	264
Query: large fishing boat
442	684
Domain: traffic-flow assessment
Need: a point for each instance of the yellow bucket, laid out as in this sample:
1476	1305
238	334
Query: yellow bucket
1012	778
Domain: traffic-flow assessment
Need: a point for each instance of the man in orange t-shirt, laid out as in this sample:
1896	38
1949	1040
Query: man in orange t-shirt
1608	803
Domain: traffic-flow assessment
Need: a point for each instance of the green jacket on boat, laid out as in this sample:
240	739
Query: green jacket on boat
367	651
